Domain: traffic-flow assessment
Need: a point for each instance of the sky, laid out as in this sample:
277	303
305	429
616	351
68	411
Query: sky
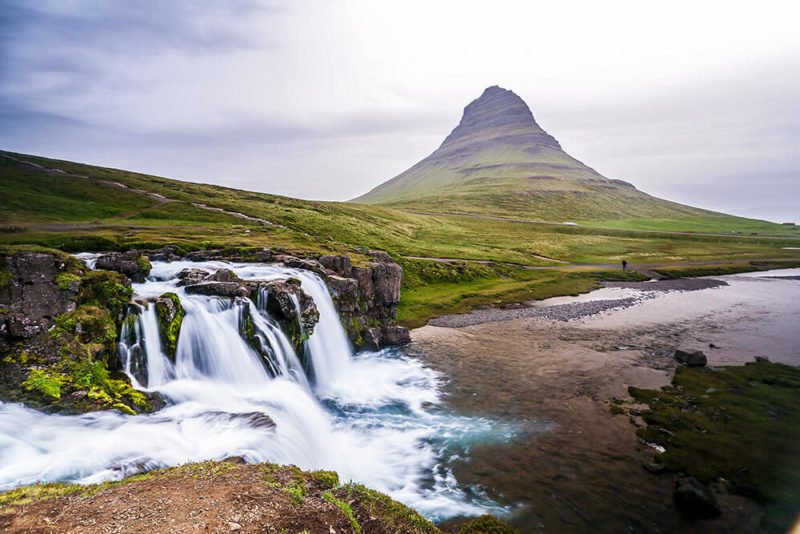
695	102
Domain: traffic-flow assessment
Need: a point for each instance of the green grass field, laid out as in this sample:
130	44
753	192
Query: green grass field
72	213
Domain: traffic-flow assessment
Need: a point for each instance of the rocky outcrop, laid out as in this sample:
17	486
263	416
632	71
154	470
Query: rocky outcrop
691	357
366	298
59	323
131	263
34	289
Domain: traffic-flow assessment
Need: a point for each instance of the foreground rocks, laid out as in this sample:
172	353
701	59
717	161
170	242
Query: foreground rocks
691	357
216	497
695	499
131	263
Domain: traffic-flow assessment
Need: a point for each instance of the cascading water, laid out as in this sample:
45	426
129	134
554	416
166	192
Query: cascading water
369	417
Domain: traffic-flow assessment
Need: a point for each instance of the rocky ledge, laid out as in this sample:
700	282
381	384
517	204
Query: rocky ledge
223	496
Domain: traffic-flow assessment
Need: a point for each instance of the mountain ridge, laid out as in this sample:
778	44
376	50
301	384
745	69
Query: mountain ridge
499	161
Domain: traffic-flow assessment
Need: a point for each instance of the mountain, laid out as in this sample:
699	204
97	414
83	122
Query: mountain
498	161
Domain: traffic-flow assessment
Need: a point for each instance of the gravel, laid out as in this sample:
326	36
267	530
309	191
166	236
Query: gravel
574	310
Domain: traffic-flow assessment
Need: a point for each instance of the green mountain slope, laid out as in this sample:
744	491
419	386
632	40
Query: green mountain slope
499	161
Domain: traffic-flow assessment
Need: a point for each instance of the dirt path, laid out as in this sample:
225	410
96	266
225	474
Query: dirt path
575	225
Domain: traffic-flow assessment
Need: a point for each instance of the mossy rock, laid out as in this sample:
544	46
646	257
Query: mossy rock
170	315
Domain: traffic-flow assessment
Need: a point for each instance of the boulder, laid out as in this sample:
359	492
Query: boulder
170	317
166	253
223	275
395	335
695	500
691	357
301	263
131	263
344	292
191	276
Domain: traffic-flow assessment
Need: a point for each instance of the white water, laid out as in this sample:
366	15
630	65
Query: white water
373	417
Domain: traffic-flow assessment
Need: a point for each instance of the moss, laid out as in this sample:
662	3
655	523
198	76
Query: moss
486	524
394	515
169	322
735	423
106	289
144	264
5	279
63	280
46	382
325	479
345	508
96	325
616	410
296	491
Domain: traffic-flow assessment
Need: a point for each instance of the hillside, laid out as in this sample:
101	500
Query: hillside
499	161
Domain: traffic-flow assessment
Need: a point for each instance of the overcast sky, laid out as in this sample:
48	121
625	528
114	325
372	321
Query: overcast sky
696	102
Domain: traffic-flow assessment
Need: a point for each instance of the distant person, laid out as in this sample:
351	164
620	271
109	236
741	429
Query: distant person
624	265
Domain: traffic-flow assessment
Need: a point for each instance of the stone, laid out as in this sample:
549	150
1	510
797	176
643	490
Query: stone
691	357
395	335
341	265
695	500
131	263
170	318
165	253
191	276
762	359
344	292
223	275
220	289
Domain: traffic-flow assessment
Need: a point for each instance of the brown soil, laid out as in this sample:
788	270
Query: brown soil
212	497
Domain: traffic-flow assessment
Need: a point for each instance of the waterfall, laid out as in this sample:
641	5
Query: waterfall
368	417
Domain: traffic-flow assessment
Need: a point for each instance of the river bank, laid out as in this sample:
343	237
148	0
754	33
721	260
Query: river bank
587	471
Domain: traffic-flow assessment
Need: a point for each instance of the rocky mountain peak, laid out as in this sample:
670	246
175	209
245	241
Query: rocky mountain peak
496	111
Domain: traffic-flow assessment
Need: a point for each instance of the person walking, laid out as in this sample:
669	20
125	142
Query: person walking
624	265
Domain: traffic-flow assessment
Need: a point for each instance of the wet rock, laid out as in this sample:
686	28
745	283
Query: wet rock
263	255
695	500
131	263
191	276
166	253
220	289
395	335
285	299
691	357
170	318
344	292
223	275
301	263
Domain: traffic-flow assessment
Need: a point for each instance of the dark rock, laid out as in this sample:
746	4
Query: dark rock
38	288
166	253
223	275
281	298
344	292
762	359
695	500
200	255
371	338
170	317
301	263
220	289
691	357
341	265
191	276
395	335
263	255
380	256
131	263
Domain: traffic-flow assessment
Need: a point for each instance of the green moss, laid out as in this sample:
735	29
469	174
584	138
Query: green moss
397	517
297	491
345	508
106	289
486	524
735	423
325	479
63	280
45	382
169	326
144	264
5	279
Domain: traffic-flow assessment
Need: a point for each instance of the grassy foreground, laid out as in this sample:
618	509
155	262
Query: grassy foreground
740	424
76	207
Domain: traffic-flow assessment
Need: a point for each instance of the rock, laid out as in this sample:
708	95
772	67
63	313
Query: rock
191	276
263	255
372	338
166	253
395	335
762	359
131	263
300	263
344	292
281	297
380	256
691	357
220	289
200	255
341	265
170	317
37	288
386	280
223	275
695	500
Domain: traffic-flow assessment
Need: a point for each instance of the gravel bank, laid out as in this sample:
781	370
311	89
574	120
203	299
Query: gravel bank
575	310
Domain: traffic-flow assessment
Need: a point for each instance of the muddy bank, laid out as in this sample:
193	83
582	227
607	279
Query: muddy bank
575	308
588	471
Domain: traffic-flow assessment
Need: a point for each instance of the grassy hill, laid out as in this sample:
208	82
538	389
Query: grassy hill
75	207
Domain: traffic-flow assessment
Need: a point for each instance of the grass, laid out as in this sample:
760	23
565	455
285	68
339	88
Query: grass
736	423
124	219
